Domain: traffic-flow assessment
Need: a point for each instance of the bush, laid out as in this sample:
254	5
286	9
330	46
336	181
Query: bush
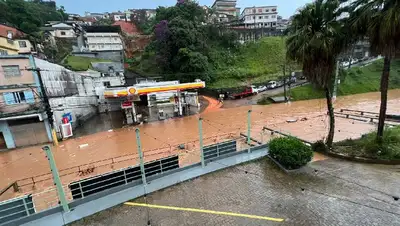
368	147
290	152
319	146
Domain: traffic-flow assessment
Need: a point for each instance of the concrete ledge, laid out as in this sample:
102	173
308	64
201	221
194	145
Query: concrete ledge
283	168
361	159
109	198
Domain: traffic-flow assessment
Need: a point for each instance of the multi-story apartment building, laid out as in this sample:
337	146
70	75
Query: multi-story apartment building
260	16
60	30
23	120
12	41
225	10
104	38
122	16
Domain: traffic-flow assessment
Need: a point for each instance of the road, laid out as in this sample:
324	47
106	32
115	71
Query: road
253	99
329	192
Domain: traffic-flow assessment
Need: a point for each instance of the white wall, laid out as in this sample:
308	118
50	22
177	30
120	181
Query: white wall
69	92
22	49
63	33
104	41
81	108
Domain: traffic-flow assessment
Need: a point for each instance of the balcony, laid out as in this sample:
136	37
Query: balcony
20	109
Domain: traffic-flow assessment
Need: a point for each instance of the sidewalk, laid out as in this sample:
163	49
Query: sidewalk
328	193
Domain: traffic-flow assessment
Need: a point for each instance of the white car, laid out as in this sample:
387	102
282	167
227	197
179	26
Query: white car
255	90
272	85
262	88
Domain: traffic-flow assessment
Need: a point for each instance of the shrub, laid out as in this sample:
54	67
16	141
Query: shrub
290	152
319	146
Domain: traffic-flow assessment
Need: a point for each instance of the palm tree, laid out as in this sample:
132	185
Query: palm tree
316	38
379	20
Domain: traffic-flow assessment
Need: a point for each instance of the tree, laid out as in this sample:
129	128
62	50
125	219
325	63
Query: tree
379	20
29	16
103	22
316	38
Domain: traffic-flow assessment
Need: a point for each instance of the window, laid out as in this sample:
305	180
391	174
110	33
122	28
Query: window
11	70
273	16
273	10
260	17
3	52
22	44
266	17
106	84
254	17
63	33
19	97
254	10
260	10
266	10
9	34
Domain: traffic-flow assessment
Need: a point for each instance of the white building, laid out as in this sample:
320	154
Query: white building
225	10
125	16
104	41
60	30
261	16
69	94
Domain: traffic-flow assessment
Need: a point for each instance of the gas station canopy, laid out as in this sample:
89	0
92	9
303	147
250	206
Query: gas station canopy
133	90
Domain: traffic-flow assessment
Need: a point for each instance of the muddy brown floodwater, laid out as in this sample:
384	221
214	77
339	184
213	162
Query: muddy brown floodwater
162	138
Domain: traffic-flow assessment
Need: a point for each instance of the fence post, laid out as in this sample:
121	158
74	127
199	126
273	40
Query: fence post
56	178
248	128
139	147
201	142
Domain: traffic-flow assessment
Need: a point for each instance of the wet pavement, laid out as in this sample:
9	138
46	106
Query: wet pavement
81	157
329	192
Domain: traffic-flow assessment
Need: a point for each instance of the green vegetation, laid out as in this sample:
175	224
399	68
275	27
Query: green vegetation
317	37
319	146
78	63
356	80
290	152
367	146
185	47
29	16
254	62
56	54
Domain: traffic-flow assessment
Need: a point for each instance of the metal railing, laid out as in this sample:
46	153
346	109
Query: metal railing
79	182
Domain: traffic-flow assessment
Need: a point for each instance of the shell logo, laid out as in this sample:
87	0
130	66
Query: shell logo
132	91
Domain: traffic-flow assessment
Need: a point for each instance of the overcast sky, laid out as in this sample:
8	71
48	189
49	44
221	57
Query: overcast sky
286	8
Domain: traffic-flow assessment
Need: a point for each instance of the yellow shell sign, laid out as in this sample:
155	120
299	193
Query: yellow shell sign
132	90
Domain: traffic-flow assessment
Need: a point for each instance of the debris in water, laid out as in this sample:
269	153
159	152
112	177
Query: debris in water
83	145
291	120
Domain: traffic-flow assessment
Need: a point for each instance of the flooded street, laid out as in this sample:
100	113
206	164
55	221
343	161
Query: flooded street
100	122
166	136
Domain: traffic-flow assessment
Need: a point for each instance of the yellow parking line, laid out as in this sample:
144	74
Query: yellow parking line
205	211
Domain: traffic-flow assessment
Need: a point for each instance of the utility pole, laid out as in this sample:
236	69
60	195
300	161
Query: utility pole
47	107
284	80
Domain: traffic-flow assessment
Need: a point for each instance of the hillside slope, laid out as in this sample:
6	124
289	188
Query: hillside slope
356	80
253	62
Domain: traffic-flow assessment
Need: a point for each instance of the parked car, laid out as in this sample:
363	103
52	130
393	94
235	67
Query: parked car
272	85
262	88
247	91
255	90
